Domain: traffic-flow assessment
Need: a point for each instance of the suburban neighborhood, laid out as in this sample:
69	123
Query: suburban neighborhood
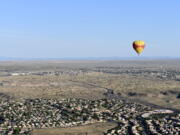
132	118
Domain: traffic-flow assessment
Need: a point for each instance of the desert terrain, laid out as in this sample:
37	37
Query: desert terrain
153	83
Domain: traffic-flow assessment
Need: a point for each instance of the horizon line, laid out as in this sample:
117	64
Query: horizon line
90	58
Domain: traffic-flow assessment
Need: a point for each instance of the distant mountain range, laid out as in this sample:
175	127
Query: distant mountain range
89	58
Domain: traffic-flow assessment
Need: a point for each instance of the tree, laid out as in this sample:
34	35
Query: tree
16	131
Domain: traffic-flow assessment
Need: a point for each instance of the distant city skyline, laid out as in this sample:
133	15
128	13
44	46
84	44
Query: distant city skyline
91	28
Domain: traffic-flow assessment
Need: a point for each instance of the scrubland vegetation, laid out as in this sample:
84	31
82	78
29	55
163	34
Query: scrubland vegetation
129	85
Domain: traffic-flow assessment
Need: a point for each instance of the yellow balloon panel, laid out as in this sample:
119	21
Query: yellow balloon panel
139	50
139	42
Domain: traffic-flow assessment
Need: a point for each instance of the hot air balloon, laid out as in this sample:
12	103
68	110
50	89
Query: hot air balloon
138	46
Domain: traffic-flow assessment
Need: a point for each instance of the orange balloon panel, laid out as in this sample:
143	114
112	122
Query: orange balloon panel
139	46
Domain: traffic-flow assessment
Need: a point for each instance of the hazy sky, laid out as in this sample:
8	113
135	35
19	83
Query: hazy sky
88	28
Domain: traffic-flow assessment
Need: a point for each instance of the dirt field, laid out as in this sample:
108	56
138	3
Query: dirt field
93	129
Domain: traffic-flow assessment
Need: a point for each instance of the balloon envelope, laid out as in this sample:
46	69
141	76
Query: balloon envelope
139	46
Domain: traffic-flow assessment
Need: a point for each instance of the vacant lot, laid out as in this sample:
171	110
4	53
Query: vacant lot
93	129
